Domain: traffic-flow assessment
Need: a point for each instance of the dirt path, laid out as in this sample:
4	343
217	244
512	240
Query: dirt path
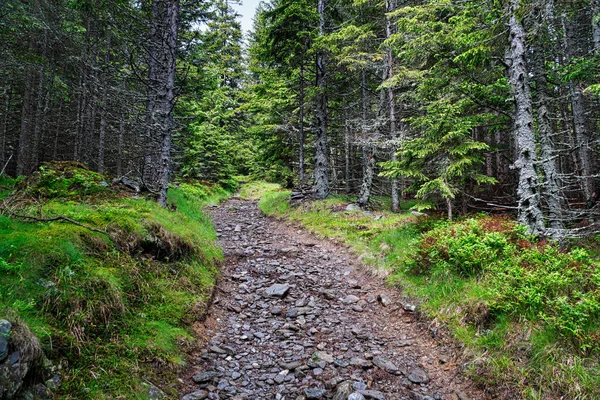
296	318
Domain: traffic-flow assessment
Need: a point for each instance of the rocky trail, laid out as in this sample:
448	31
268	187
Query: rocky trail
296	317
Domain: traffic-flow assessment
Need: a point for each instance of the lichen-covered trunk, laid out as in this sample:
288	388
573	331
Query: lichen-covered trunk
368	173
573	48
150	139
8	101
169	67
392	106
321	185
530	213
121	143
301	122
596	25
552	187
347	161
23	151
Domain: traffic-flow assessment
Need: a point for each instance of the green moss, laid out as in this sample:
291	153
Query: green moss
115	307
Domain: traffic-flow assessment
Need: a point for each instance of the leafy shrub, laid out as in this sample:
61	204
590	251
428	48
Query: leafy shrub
520	276
465	249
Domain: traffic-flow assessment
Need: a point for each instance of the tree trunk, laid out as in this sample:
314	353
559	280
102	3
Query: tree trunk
368	172
553	193
169	59
321	154
38	125
148	173
392	106
301	130
578	111
120	145
8	100
103	112
23	152
530	213
57	130
347	144
596	25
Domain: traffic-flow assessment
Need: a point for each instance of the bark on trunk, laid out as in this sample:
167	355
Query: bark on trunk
26	125
38	126
148	172
553	193
392	106
8	101
301	130
120	145
596	25
168	103
57	131
321	184
347	144
530	213
578	110
368	172
103	113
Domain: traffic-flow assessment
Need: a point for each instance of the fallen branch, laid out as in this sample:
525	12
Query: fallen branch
54	219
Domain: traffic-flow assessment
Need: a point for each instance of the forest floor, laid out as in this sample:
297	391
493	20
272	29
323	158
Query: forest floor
296	317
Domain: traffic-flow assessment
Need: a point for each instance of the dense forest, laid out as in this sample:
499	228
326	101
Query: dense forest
465	105
123	119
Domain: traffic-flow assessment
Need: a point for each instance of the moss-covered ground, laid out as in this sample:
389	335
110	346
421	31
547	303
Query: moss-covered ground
526	310
111	305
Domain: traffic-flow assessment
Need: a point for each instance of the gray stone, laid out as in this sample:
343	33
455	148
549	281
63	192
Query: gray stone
217	350
276	310
155	393
314	393
5	330
344	390
356	396
350	299
359	386
409	307
417	375
197	395
359	362
353	207
290	366
322	356
386	365
372	394
384	300
461	396
419	396
206	376
278	290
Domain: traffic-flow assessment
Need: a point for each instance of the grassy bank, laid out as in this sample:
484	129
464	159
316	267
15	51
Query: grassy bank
110	299
527	312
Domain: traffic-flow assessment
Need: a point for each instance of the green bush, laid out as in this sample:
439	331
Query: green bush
521	277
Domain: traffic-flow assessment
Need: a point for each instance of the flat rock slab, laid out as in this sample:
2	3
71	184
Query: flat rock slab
278	290
298	318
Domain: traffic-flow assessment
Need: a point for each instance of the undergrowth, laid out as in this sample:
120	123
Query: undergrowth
528	312
111	309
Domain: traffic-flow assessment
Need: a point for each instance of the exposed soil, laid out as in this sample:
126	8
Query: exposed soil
329	329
